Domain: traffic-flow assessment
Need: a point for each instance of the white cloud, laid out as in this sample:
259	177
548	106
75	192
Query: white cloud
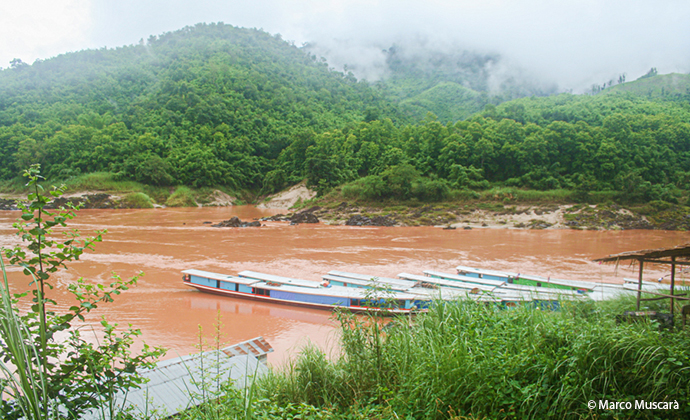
31	29
575	42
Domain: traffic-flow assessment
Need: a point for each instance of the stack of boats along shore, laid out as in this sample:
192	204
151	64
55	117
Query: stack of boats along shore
408	292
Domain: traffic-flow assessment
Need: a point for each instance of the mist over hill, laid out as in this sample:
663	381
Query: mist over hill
448	81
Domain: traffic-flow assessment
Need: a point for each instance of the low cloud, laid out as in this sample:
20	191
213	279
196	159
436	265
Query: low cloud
573	43
33	29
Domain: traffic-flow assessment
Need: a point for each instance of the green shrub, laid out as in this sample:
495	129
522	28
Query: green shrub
426	189
137	200
182	197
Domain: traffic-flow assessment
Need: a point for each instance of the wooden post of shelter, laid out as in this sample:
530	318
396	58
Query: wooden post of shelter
639	284
673	281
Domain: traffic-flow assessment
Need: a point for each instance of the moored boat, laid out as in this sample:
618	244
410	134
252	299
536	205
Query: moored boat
277	289
455	278
526	280
596	291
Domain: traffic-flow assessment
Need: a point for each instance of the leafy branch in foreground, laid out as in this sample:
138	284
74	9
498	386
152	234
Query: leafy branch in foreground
50	376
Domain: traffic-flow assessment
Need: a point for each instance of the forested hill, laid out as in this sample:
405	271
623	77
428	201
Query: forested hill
215	105
205	105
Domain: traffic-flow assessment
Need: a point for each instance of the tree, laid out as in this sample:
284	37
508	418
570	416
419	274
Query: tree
59	378
17	63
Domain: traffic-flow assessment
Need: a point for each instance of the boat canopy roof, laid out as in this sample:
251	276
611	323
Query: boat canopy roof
367	278
458	284
464	269
466	279
335	291
223	277
278	279
400	285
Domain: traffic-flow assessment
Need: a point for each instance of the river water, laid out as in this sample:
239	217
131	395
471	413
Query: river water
162	242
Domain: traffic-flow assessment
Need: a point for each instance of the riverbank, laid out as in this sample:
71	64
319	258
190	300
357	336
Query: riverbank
493	215
492	209
458	215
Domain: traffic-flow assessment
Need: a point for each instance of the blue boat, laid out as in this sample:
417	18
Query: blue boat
360	292
277	289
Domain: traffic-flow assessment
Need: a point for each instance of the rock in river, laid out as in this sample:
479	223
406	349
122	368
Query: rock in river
236	222
360	220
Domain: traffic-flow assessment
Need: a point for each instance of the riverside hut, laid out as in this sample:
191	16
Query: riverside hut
675	256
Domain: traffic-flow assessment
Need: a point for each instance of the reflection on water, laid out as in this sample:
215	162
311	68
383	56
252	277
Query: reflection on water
162	242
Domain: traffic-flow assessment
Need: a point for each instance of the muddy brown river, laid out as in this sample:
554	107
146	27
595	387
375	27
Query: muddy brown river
162	242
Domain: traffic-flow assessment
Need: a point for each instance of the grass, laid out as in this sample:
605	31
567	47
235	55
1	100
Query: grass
137	200
24	385
517	195
497	195
182	197
658	86
12	186
468	360
99	181
139	195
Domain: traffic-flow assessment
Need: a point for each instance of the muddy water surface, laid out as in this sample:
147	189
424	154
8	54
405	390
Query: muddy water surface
162	242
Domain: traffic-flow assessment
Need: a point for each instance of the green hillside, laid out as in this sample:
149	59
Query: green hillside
213	104
447	100
674	87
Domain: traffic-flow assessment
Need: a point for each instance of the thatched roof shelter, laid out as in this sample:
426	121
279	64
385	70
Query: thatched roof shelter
677	255
659	255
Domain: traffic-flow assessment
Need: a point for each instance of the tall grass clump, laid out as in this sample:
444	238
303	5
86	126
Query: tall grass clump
137	200
182	197
101	181
474	360
25	386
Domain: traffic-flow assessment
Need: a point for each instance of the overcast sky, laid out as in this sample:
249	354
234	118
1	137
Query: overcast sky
572	42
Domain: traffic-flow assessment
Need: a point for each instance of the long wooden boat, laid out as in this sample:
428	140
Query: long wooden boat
453	288
499	285
276	289
527	280
342	278
353	291
596	291
424	291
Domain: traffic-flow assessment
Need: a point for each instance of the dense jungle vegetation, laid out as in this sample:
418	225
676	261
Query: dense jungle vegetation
215	105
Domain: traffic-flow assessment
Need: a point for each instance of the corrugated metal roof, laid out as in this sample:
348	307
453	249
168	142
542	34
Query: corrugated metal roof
257	347
178	384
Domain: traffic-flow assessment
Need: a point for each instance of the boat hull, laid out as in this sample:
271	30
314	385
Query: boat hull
313	305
